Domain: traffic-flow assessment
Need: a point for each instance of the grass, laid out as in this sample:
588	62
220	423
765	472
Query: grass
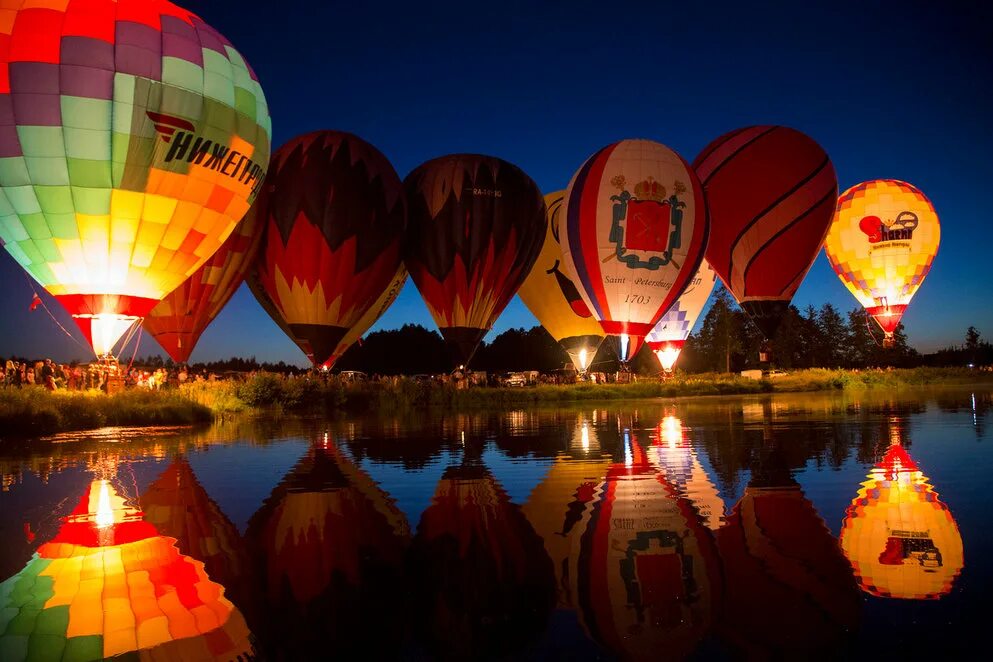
34	411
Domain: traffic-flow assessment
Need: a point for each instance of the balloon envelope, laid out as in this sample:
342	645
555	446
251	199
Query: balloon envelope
633	234
770	191
184	314
882	243
135	137
670	333
335	216
553	298
476	227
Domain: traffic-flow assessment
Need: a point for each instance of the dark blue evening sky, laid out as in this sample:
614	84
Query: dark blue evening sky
894	90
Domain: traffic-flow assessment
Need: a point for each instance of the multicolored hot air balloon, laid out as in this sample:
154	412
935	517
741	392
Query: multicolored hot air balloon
667	338
335	215
177	321
110	584
554	300
882	243
770	191
901	540
476	228
133	137
634	232
375	311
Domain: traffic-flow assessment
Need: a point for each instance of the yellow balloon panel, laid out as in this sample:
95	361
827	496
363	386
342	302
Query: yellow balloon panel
883	241
549	293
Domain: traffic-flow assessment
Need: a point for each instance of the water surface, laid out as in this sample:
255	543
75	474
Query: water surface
787	525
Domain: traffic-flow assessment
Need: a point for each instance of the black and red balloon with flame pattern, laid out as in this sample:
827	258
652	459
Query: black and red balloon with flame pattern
335	216
476	226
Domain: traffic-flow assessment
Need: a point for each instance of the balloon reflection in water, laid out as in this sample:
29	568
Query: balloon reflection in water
672	452
179	507
789	590
557	507
481	581
109	584
901	540
648	575
330	543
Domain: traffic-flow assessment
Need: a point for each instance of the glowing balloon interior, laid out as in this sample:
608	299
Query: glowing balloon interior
134	138
669	335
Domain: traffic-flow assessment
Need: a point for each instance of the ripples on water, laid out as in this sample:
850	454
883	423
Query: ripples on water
784	526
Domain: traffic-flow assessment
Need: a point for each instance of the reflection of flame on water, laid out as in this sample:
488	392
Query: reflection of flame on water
901	540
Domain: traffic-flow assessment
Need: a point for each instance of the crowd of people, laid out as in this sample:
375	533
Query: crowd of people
99	375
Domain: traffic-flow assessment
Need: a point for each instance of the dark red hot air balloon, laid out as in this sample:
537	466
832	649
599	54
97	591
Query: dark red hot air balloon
334	213
476	226
771	192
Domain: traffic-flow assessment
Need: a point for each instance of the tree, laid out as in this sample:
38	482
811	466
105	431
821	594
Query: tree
832	338
720	334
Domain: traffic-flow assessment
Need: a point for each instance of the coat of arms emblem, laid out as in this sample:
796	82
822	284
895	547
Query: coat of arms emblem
646	223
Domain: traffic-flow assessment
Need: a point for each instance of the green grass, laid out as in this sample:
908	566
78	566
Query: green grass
35	411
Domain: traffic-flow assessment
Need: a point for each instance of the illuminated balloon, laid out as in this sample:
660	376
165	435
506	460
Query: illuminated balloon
177	321
133	137
554	300
110	584
634	231
375	311
901	540
770	191
335	215
476	227
882	244
673	454
669	335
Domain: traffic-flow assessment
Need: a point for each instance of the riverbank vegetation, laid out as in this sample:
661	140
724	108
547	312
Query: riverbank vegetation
35	411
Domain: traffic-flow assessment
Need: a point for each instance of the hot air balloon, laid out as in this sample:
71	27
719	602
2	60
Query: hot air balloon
901	540
634	233
770	191
669	335
177	321
335	215
476	227
134	138
481	581
108	584
647	575
789	593
330	543
882	243
554	300
375	311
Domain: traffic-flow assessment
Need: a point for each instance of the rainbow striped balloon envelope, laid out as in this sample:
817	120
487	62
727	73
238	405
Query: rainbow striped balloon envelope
133	137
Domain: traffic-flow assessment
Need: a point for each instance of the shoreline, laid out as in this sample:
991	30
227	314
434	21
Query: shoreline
34	412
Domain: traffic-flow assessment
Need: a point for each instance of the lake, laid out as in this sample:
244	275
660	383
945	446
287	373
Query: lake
788	525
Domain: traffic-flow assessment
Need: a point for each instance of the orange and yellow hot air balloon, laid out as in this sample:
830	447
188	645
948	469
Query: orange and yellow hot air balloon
881	244
133	137
901	540
110	584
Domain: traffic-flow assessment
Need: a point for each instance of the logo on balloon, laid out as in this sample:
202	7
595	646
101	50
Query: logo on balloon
900	228
646	222
186	146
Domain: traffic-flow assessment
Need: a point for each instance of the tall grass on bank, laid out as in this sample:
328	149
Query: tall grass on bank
35	411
